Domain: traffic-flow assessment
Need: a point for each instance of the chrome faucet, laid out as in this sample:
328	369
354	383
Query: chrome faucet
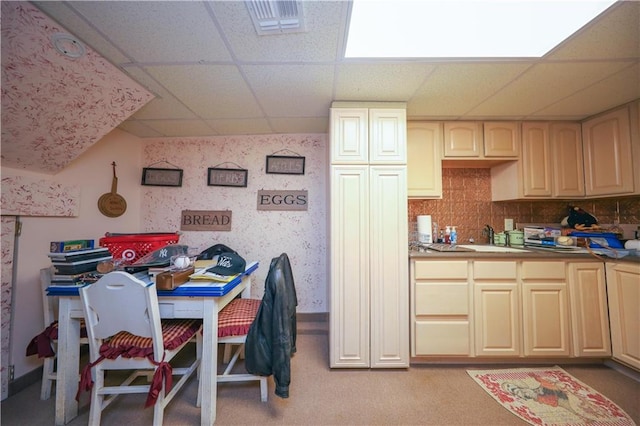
489	232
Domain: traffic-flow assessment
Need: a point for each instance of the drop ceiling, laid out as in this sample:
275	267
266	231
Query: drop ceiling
212	74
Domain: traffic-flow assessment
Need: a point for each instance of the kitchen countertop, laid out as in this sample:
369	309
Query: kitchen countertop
531	253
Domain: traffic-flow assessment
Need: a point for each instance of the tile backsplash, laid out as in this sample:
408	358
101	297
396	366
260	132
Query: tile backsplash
466	203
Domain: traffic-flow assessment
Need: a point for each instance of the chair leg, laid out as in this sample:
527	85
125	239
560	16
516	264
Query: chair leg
263	389
95	410
48	376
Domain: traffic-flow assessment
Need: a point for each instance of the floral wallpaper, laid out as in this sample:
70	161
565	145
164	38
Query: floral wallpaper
255	235
55	107
23	196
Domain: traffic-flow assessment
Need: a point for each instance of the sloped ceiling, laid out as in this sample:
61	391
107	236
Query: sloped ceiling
55	107
211	74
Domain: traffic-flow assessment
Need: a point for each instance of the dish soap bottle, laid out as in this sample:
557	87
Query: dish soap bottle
454	235
447	235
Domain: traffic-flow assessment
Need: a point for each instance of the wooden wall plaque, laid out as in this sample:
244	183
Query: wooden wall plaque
283	200
205	220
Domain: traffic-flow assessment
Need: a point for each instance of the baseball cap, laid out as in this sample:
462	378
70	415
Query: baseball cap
228	264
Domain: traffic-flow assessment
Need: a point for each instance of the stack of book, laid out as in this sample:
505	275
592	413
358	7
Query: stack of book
72	267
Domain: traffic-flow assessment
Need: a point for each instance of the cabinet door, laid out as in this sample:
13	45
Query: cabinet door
608	164
567	159
463	139
388	136
349	231
545	319
424	160
589	313
623	292
349	136
497	319
501	139
536	160
389	274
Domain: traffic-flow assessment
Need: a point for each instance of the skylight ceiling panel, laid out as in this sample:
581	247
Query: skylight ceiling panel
292	90
545	84
157	31
453	89
620	88
614	35
64	15
380	82
323	21
221	91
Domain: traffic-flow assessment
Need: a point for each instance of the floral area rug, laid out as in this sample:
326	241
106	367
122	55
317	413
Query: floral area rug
550	397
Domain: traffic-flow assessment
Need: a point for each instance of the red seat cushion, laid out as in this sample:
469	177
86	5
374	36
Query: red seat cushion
236	318
41	344
174	333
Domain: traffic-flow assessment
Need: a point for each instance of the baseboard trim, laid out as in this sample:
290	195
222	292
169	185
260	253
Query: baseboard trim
24	381
623	369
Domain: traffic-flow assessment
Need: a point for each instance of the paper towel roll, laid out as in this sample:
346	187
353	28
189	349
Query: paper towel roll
424	229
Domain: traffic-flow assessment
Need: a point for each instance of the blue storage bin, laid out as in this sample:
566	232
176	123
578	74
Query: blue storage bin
599	239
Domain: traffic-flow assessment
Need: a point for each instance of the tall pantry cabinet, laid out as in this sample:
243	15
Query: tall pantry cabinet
369	291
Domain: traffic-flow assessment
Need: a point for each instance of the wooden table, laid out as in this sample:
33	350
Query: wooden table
201	300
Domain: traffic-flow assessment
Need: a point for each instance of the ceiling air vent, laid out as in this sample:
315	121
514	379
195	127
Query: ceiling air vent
276	16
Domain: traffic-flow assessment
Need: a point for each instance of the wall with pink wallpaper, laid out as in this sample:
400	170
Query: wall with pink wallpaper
89	176
466	203
256	235
55	107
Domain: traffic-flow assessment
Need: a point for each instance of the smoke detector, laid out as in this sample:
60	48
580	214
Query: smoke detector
276	16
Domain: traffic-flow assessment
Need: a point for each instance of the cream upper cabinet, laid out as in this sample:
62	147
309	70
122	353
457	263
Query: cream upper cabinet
369	300
536	160
440	308
501	139
545	309
589	311
463	139
424	159
623	292
566	157
608	156
387	136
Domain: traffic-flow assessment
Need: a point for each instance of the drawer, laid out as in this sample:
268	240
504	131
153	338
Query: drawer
442	338
543	270
445	270
494	270
442	299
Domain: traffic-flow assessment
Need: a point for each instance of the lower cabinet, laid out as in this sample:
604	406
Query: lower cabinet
440	308
623	292
518	308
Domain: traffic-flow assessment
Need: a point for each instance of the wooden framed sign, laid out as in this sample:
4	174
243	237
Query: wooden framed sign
205	220
283	200
227	177
285	165
161	177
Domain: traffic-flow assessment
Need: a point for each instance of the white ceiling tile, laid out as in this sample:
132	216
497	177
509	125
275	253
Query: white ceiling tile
542	85
158	31
323	20
599	97
300	125
139	129
380	82
292	90
210	91
613	35
171	128
248	126
452	89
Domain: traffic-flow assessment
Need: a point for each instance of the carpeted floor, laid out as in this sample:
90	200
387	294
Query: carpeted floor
420	395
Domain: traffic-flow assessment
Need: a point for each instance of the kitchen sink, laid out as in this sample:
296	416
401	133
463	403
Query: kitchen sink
492	249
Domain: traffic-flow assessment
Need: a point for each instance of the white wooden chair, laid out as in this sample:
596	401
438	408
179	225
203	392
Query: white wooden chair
49	337
234	321
126	333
